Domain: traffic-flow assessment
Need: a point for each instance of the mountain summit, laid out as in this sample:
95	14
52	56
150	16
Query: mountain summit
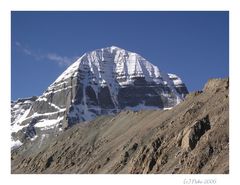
103	81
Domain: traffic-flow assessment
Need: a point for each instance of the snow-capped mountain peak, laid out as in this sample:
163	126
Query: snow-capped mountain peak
124	64
103	81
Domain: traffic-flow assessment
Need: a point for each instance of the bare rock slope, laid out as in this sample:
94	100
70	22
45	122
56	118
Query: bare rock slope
192	137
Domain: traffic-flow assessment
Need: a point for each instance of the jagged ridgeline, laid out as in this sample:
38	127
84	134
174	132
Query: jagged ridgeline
101	82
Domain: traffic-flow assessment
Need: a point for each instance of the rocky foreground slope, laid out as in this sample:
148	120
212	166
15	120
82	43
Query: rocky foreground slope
192	137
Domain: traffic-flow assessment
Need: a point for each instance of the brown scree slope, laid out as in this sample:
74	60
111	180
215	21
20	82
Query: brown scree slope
193	137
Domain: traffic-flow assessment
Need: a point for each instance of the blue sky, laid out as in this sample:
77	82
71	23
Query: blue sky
193	45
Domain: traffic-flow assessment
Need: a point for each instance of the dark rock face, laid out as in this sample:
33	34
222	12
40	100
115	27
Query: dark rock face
105	99
199	128
147	94
182	90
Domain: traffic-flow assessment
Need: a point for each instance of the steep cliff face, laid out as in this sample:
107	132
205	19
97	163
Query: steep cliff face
102	82
192	137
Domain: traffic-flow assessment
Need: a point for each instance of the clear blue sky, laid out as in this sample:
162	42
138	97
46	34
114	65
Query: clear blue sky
193	45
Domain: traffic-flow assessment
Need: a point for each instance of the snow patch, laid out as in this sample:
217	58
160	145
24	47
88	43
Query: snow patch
35	137
42	98
176	80
35	115
167	108
15	144
61	89
22	118
55	106
16	127
47	124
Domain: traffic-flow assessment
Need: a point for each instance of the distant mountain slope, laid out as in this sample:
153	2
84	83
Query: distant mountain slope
101	82
192	137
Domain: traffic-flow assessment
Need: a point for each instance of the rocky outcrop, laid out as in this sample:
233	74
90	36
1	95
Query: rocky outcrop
192	137
193	134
